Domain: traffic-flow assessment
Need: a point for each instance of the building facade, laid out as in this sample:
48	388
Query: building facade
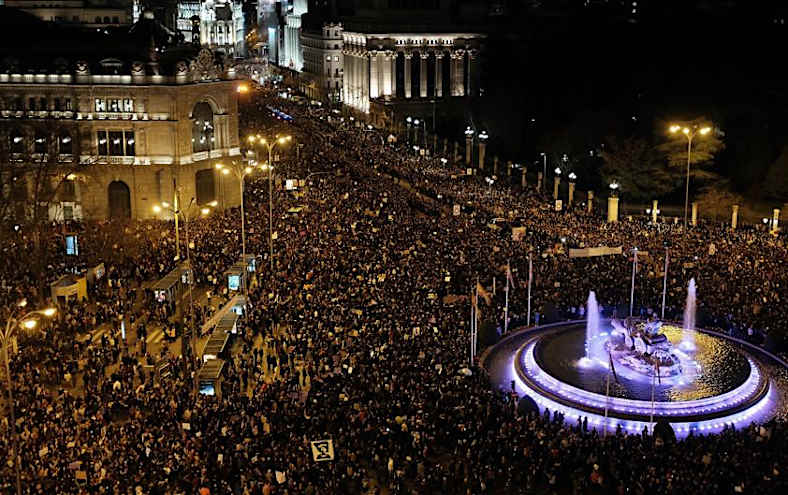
83	13
323	68
126	135
408	66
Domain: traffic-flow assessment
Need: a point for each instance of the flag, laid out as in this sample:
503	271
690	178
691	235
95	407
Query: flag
509	277
612	367
483	292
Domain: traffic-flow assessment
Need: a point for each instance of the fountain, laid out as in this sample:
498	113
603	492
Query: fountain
688	334
592	331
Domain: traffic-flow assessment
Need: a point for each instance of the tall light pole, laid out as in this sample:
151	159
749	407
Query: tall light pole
11	325
187	214
409	121
468	145
240	171
544	170
689	133
270	146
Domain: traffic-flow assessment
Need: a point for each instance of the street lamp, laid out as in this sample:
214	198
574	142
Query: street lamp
614	188
240	171
270	146
689	133
468	145
544	170
409	121
186	214
11	325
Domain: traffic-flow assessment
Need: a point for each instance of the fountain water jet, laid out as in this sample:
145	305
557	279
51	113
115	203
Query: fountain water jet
690	308
592	331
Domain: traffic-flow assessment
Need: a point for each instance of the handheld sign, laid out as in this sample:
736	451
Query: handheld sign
322	450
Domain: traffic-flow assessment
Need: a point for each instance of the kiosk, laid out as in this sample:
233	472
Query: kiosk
69	288
171	286
210	377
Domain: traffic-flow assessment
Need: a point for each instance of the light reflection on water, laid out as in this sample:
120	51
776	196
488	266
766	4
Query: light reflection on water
722	367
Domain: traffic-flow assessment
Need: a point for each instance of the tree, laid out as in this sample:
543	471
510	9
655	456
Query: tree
775	186
637	167
704	147
716	201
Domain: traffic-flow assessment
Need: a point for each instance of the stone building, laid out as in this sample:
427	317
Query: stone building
125	131
323	68
82	13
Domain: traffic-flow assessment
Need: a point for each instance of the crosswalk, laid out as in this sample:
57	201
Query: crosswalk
155	336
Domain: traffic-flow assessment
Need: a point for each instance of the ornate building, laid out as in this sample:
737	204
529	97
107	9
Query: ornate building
323	68
409	66
82	13
126	131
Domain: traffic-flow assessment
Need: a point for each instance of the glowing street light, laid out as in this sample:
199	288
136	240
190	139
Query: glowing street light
690	134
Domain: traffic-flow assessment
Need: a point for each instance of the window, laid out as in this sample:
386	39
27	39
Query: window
128	137
31	104
68	191
114	105
66	105
128	105
328	58
65	145
40	144
115	20
17	141
116	143
101	139
98	20
43	104
68	212
101	105
202	129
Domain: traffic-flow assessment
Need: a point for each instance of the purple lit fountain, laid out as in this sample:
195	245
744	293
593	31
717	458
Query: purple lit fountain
565	367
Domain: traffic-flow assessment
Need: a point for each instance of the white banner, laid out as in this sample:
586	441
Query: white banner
595	251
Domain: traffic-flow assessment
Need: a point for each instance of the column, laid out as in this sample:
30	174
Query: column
482	149
408	57
394	74
459	73
388	74
775	220
694	213
468	149
654	208
423	74
473	69
373	75
556	184
590	204
439	74
539	179
571	193
612	209
453	74
495	165
735	217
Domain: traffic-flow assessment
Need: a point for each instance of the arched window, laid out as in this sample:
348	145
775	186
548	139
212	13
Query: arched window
98	20
106	20
202	128
119	200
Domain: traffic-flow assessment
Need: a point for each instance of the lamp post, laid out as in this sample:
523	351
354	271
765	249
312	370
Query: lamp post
483	137
544	170
270	146
612	203
689	133
188	214
572	178
468	144
409	121
556	182
240	171
11	324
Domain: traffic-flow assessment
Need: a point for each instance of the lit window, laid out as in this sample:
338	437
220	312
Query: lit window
101	105
128	105
101	140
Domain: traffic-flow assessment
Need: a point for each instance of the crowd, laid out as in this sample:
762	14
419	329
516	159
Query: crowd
358	335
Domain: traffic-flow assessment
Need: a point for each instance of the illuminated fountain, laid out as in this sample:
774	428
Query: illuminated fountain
565	367
690	308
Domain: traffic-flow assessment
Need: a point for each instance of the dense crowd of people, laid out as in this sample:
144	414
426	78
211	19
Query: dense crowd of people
358	333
